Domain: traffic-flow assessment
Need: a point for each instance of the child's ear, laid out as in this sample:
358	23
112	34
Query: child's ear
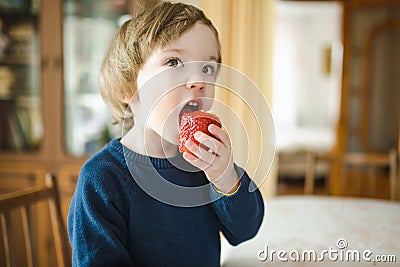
129	97
126	98
132	100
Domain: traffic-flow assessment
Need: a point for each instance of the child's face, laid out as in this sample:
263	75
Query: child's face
176	79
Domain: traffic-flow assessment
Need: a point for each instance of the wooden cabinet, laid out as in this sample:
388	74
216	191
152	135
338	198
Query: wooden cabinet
24	166
34	60
39	41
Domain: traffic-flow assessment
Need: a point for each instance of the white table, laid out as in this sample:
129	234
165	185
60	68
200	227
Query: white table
297	224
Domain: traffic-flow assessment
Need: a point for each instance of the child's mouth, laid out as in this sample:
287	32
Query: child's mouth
191	106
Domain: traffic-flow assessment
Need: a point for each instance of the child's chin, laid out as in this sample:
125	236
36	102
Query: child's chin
171	138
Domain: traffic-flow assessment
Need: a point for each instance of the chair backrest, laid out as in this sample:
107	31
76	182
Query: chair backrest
22	201
364	162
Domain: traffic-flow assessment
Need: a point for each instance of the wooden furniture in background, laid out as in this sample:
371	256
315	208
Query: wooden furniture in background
24	201
45	87
356	169
20	169
368	126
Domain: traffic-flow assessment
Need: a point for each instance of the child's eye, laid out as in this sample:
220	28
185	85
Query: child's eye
208	69
174	62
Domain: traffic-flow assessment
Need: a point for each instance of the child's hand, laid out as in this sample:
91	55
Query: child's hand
215	158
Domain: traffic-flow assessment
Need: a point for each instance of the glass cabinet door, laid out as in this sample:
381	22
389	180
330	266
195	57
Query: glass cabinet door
21	126
89	26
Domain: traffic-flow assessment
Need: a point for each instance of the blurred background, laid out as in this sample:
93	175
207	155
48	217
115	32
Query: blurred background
327	69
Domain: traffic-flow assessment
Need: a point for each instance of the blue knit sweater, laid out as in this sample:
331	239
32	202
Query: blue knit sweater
113	222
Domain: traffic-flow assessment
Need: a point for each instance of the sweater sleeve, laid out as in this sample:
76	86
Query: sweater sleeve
240	214
96	222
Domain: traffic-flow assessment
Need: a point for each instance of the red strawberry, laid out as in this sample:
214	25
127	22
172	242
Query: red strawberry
193	122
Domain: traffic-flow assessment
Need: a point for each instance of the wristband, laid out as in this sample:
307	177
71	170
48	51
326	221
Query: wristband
228	194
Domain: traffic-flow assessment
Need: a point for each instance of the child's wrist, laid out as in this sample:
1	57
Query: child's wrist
230	192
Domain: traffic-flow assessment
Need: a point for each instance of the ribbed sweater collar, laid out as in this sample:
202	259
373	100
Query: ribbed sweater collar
134	157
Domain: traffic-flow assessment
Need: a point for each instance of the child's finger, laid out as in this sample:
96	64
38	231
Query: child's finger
195	161
220	134
214	146
201	153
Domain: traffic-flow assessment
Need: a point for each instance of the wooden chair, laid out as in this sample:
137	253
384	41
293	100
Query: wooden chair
354	160
23	200
341	161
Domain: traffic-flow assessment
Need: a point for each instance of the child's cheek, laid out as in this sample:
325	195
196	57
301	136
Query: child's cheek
208	98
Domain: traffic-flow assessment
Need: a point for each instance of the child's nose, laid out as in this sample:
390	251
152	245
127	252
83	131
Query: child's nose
196	85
